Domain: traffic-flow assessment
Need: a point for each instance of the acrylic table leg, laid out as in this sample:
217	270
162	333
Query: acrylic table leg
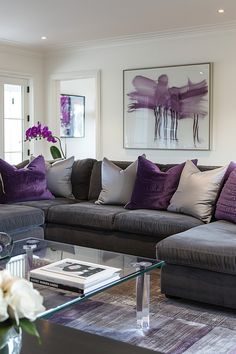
29	258
143	299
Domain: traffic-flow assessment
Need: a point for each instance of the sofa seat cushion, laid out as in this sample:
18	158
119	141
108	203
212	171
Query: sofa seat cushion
211	246
18	217
154	222
85	214
46	204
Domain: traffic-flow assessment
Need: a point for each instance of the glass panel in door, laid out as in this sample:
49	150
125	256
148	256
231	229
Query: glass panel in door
13	123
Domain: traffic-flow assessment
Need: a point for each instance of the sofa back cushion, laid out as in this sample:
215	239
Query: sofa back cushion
80	178
95	185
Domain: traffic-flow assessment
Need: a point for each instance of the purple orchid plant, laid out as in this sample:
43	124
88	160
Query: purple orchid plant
40	131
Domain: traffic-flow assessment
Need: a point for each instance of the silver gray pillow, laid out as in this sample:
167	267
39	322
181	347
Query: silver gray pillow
58	175
117	184
197	192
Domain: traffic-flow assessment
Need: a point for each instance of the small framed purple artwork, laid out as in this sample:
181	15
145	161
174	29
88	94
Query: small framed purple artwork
168	107
72	116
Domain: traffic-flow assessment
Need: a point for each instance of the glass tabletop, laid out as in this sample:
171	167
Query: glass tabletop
33	253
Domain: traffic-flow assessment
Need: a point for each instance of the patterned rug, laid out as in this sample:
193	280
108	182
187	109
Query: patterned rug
176	326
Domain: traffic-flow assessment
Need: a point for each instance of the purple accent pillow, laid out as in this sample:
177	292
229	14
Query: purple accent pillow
153	189
226	204
230	168
24	184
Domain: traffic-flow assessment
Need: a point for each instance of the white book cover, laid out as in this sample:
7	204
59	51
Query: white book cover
82	289
71	271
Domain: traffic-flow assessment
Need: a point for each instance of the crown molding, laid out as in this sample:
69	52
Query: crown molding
196	31
17	48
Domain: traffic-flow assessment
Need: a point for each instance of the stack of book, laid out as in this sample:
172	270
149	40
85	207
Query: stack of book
76	276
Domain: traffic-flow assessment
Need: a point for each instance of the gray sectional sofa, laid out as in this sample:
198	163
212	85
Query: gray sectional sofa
200	262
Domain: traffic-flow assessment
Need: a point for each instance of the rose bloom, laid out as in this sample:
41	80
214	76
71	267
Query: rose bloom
19	297
5	278
3	307
23	300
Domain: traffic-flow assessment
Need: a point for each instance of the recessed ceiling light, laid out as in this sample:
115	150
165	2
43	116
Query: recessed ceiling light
220	11
43	37
201	72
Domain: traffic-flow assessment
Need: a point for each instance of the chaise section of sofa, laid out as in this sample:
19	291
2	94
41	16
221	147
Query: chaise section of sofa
200	264
21	221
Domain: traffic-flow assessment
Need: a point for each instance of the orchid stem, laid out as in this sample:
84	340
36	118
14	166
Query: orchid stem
59	140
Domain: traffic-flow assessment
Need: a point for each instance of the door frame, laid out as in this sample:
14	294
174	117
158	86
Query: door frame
54	101
15	78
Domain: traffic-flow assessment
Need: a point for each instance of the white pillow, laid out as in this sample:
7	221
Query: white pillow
117	184
58	175
197	191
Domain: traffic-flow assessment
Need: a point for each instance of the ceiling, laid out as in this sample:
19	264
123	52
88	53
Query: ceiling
24	22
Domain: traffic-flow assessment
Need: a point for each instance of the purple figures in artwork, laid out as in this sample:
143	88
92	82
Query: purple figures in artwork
169	104
65	111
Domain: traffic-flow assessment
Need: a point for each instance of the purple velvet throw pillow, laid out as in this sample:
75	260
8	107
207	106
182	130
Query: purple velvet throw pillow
226	204
153	189
24	184
230	168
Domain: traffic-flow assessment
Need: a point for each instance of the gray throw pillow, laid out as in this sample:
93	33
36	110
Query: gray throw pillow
58	175
117	184
197	191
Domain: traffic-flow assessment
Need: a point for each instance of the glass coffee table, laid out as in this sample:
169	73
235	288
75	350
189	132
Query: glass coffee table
32	253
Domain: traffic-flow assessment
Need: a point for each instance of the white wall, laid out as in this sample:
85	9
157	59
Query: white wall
30	65
82	147
217	47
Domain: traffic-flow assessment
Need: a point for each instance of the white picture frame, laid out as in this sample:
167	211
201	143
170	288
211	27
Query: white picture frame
168	107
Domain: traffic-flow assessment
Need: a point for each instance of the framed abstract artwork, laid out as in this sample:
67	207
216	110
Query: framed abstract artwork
72	116
168	107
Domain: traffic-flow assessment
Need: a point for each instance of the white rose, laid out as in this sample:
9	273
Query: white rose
24	300
5	278
3	307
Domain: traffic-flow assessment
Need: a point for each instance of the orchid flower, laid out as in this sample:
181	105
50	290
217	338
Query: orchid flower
42	132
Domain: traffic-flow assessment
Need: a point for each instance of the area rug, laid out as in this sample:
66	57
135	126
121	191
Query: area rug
176	326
